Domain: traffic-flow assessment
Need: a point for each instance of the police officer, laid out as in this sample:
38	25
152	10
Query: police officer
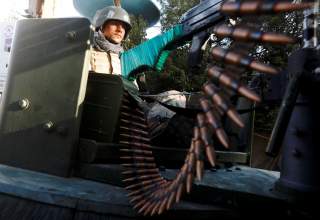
112	26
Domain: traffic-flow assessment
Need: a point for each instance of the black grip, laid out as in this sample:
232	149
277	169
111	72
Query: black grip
195	53
284	116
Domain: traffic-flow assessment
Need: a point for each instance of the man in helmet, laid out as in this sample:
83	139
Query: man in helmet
112	25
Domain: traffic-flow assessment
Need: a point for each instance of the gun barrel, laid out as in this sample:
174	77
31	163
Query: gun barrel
205	14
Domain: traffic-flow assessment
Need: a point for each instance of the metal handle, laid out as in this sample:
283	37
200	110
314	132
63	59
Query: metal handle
284	116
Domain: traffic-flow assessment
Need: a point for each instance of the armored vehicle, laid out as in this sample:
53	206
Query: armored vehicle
66	134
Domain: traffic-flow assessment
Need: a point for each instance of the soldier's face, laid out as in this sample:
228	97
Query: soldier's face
114	31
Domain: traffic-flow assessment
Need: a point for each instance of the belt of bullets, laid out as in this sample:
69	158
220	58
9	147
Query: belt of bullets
149	192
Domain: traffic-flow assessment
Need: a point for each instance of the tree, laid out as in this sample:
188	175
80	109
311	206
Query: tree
290	24
138	32
174	75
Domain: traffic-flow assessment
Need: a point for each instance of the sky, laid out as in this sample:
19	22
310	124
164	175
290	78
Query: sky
9	7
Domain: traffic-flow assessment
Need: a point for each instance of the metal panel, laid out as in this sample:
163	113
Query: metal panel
101	107
40	110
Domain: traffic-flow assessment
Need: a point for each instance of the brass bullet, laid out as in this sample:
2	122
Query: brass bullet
245	34
149	209
289	7
212	120
171	199
248	94
156	208
163	205
217	73
198	149
147	189
260	7
184	170
189	182
136	158
223	138
143	183
196	132
139	178
140	203
179	193
144	207
160	191
263	67
210	90
135	137
177	180
277	38
201	119
205	105
129	110
136	144
235	117
191	161
144	165
143	126
134	130
135	151
238	59
135	193
211	155
136	198
126	102
187	158
137	118
200	167
218	100
191	149
205	136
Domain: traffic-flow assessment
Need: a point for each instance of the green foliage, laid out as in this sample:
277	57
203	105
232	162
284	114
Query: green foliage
289	24
137	34
174	75
172	11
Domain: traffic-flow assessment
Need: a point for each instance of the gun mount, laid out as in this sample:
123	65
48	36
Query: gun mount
62	128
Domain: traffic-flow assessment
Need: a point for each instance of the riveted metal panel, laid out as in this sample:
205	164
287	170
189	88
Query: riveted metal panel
101	107
41	106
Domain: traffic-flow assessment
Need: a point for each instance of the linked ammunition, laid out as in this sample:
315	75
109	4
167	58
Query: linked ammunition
246	34
262	7
239	59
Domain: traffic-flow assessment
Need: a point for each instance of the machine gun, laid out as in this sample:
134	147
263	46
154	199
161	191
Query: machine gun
154	195
39	127
197	25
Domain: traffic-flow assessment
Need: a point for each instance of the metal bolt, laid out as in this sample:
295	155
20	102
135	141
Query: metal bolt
48	126
71	35
24	104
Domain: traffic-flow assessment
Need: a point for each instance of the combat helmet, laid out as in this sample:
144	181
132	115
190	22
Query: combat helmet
111	13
